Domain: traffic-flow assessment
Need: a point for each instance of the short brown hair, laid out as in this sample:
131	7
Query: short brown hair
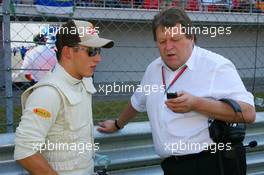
169	18
65	37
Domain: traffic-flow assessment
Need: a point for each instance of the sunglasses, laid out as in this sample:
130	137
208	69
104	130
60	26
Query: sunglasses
91	51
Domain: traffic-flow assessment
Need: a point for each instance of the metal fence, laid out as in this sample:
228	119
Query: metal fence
128	23
252	6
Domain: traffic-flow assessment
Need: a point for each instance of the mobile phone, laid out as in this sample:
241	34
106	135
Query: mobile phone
172	95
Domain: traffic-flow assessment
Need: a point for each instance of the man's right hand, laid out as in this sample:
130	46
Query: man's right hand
107	126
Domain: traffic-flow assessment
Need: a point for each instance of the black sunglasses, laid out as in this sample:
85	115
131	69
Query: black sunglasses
91	51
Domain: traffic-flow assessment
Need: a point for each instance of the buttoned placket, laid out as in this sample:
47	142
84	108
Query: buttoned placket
169	76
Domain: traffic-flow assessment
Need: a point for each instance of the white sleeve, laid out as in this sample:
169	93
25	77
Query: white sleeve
41	110
138	99
227	83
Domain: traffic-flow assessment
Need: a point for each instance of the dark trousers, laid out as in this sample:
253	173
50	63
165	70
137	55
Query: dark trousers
205	163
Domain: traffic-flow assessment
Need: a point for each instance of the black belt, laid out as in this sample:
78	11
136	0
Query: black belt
189	156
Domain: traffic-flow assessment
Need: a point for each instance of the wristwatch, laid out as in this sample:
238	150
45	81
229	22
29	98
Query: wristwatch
116	125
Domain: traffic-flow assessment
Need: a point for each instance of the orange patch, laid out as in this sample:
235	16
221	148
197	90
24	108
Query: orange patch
43	113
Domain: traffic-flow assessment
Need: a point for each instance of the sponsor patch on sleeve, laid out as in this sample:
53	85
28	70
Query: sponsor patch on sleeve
43	113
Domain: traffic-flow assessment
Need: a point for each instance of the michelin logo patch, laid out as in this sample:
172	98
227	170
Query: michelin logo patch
43	113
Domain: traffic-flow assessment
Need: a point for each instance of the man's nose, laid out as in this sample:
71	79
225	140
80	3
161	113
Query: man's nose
168	45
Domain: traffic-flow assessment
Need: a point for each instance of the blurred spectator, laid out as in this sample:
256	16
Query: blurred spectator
39	60
259	6
112	3
14	51
40	39
151	4
193	5
138	3
126	3
169	3
241	5
98	3
23	51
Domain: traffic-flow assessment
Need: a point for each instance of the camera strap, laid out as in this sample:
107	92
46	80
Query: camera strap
232	103
236	108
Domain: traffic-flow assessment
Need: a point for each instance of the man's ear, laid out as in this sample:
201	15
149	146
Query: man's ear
66	52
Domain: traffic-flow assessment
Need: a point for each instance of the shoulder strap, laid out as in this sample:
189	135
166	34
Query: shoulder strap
232	103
